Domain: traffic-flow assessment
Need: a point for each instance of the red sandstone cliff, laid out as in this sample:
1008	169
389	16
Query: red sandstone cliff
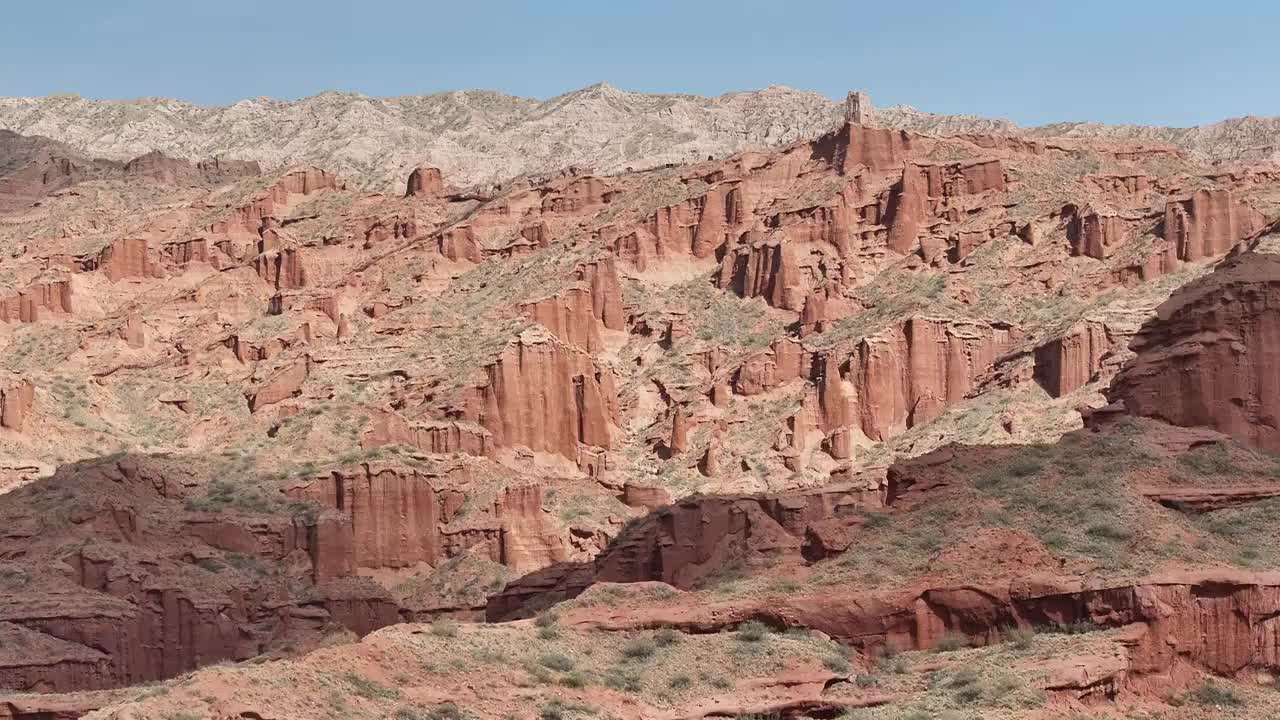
1208	358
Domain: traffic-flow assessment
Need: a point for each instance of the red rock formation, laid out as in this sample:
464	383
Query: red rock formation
283	385
388	428
459	243
1068	363
1209	223
248	218
924	193
282	269
648	498
582	194
765	269
873	148
28	305
133	332
908	210
1209	357
546	396
679	441
908	376
15	404
576	314
1094	234
813	317
128	258
161	168
397	519
424	181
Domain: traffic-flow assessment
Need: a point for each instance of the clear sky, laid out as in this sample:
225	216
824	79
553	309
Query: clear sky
1168	63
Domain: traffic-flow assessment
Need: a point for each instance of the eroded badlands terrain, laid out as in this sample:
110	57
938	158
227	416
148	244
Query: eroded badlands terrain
874	424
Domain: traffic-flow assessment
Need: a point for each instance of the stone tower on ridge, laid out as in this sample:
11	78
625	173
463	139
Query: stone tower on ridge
857	107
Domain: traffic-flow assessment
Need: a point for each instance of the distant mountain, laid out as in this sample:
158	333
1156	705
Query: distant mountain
480	136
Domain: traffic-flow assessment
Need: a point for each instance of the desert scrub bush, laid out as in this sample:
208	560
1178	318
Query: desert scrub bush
547	624
1021	638
720	682
838	664
951	641
1212	459
752	632
366	688
1213	694
624	679
557	661
575	679
558	710
679	682
639	649
666	636
444	711
866	680
444	628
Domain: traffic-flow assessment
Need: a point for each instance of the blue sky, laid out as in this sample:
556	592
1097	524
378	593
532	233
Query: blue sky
1168	63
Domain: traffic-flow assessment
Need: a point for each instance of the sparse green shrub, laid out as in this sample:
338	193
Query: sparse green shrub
679	682
557	661
639	649
720	682
548	627
1021	638
666	636
366	688
1213	694
837	664
952	641
623	679
444	627
444	711
752	632
866	680
574	679
1109	531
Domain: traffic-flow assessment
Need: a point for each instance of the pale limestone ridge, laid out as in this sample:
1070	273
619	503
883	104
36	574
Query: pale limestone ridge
481	136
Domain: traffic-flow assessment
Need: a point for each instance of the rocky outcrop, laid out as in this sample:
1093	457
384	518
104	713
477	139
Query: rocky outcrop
581	194
247	219
159	167
439	437
694	539
1094	234
765	269
15	404
878	149
1207	358
1069	362
458	243
284	384
424	181
908	376
28	305
577	314
924	197
397	519
546	396
133	332
1209	223
128	258
283	269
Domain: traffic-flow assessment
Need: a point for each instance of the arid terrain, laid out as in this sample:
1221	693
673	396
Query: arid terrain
627	406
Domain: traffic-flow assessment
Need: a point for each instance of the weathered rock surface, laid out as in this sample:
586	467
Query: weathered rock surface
1208	358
